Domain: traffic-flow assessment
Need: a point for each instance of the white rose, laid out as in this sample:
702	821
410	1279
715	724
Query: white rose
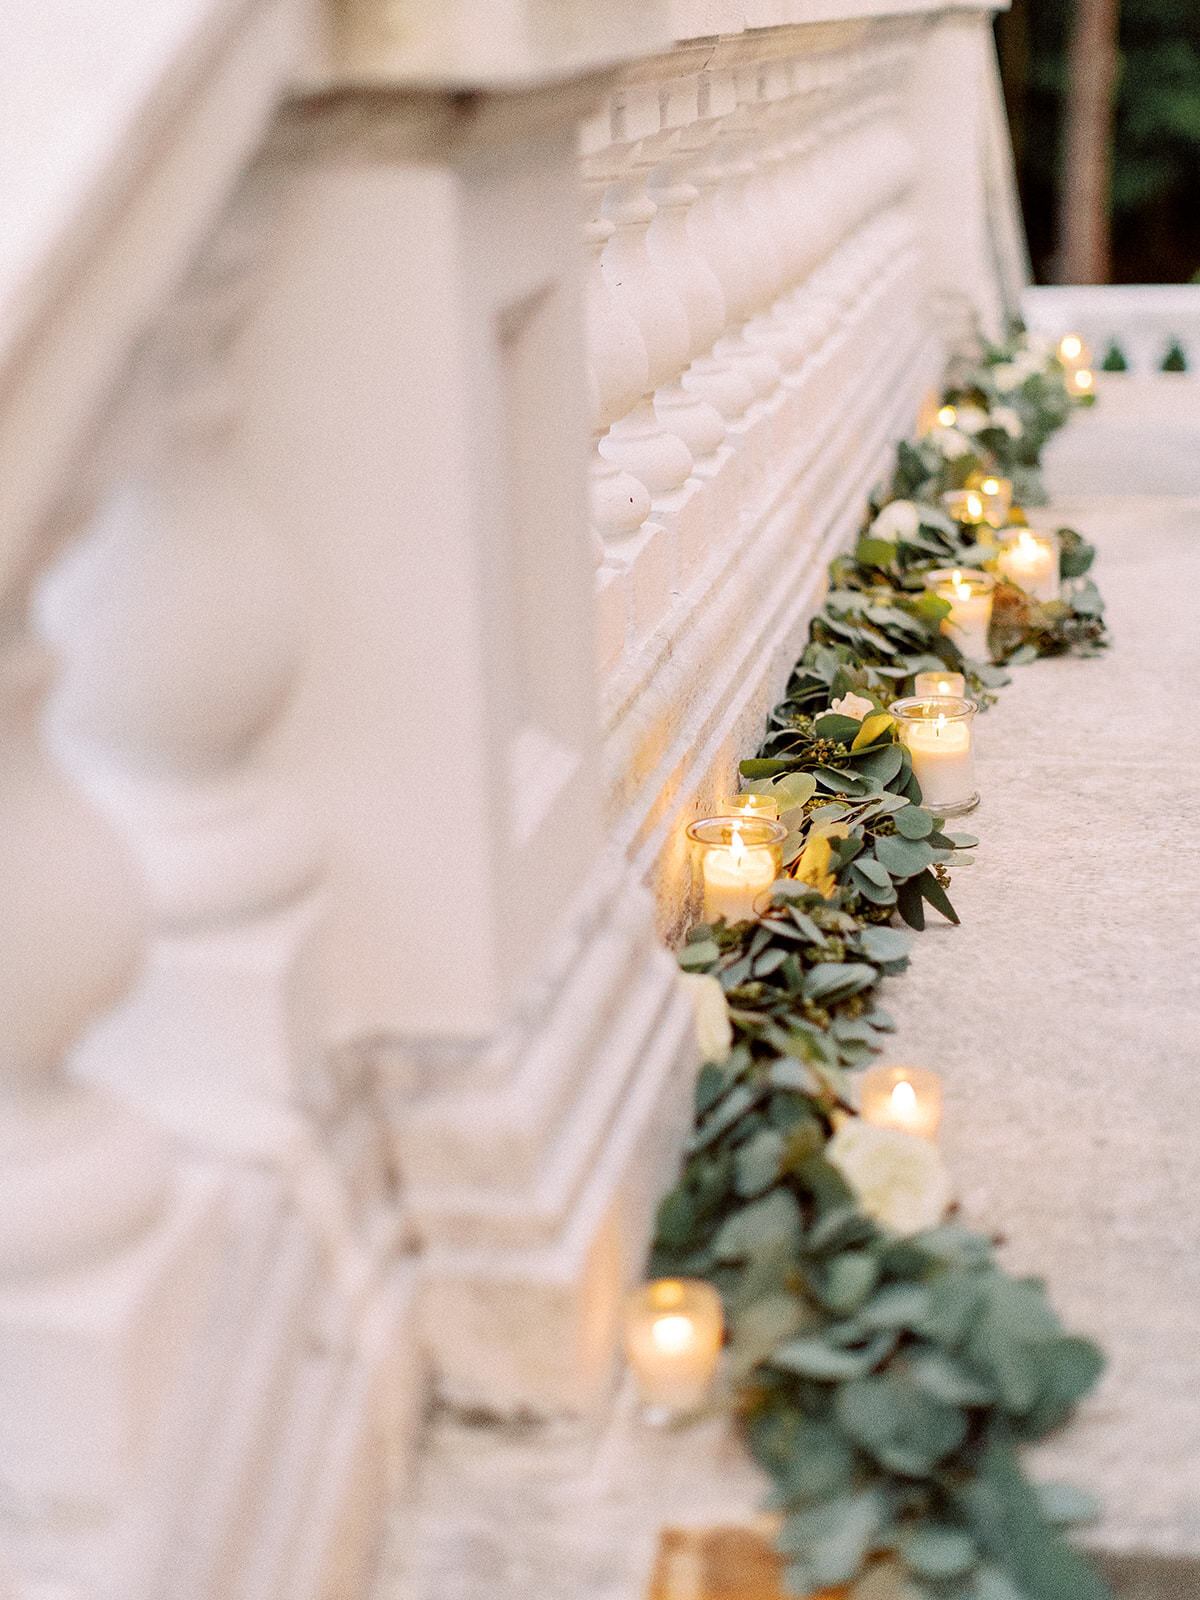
714	1031
899	520
950	442
1007	376
899	1178
1005	417
852	705
971	419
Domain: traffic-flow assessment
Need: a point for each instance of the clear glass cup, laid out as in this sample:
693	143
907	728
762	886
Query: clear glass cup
753	805
909	1098
736	860
1029	558
966	506
970	595
996	493
673	1333
938	732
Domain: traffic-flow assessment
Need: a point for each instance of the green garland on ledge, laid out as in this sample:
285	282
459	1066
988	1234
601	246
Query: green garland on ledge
886	1369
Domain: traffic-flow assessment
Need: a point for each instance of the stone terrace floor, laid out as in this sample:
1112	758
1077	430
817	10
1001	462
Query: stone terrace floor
1065	1017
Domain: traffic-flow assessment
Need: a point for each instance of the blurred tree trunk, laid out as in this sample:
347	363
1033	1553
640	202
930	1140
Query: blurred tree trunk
1083	253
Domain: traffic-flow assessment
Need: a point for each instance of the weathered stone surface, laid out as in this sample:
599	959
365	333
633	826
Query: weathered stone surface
1063	1012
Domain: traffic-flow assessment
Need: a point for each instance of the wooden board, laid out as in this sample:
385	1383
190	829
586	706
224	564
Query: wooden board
734	1563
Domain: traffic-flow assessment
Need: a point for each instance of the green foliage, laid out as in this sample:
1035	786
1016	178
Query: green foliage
885	1382
1174	360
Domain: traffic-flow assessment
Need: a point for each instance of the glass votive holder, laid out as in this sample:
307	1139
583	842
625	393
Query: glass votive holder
939	683
970	595
753	805
902	1097
937	732
965	506
673	1333
1029	559
995	494
738	859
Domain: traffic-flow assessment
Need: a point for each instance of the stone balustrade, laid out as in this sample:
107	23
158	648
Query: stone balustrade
1142	323
422	435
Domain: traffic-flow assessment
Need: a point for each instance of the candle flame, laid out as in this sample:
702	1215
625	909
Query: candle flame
943	686
961	589
737	845
1083	379
947	416
1070	347
974	506
904	1099
990	486
941	720
672	1334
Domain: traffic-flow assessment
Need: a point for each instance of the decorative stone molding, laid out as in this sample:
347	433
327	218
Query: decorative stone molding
399	725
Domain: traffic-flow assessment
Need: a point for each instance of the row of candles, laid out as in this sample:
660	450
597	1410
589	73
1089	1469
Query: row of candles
674	1327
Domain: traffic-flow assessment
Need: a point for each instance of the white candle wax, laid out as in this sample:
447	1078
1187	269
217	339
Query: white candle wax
909	1098
942	761
1032	564
734	877
673	1331
927	683
970	614
996	494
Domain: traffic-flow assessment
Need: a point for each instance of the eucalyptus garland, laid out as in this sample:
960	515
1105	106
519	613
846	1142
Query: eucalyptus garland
886	1374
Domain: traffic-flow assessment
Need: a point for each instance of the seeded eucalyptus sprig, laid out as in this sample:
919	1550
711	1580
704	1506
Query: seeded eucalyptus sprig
885	1382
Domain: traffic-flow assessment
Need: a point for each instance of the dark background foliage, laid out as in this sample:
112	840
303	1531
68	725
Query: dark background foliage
1156	133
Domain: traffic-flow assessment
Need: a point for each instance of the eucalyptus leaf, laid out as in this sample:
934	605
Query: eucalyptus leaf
811	1356
770	1225
757	1163
696	957
903	858
914	822
884	945
938	1552
1066	1505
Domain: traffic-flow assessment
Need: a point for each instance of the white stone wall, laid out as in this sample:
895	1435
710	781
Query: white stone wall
422	435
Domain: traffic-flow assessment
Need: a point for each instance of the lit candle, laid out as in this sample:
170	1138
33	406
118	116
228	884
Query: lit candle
740	858
939	683
965	505
902	1097
1081	380
937	733
1030	560
947	416
970	597
1072	351
673	1331
754	805
995	495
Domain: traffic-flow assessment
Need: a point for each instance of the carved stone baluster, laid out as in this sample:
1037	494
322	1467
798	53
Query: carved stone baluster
733	363
78	1173
181	623
95	1224
633	567
648	441
709	392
